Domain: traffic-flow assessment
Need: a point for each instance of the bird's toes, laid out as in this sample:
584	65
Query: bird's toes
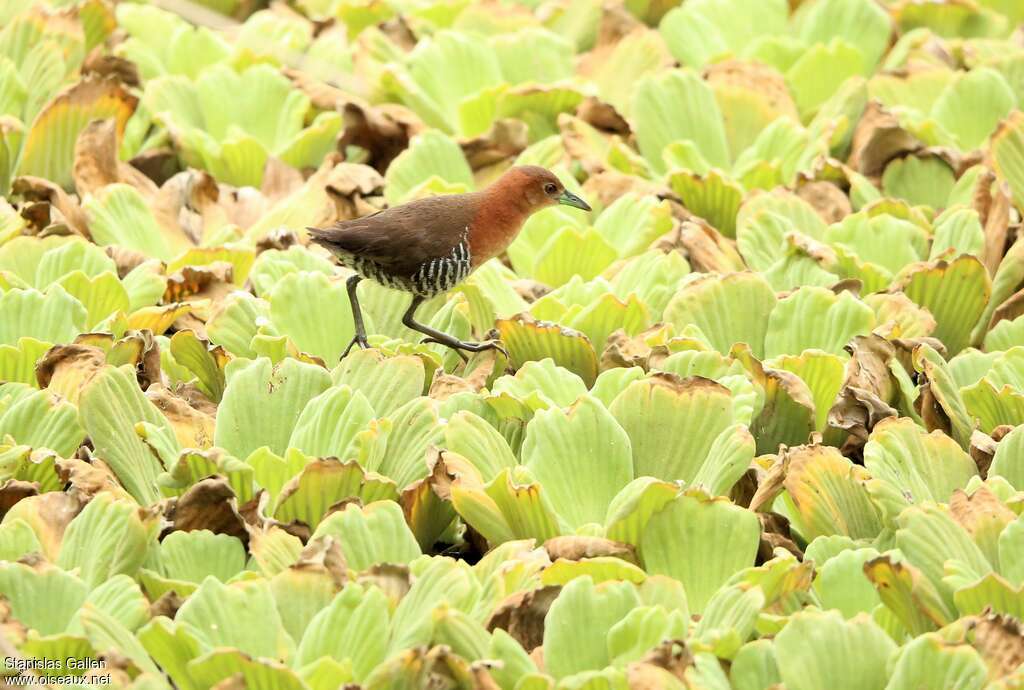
359	340
499	346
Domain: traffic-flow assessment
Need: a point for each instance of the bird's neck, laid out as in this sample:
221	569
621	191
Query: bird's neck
496	224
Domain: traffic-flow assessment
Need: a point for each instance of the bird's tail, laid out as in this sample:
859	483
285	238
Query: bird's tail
319	235
325	238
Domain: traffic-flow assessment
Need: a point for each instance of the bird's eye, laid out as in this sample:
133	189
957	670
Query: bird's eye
550	188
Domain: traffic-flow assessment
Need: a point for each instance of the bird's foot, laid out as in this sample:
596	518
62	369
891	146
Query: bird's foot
461	345
359	340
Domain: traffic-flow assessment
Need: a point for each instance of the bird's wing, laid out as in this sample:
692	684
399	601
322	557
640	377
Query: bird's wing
404	237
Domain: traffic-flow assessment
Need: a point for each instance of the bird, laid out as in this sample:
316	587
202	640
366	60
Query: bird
428	246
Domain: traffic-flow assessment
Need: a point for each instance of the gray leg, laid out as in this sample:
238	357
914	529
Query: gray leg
357	315
436	336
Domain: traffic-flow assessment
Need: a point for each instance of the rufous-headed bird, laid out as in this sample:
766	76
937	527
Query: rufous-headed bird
429	246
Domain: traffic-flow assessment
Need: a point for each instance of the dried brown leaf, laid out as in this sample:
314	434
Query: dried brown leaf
208	504
96	162
505	140
974	511
324	555
575	548
86	479
14	490
1000	641
193	428
522	614
49	204
66	369
827	199
878	139
864	399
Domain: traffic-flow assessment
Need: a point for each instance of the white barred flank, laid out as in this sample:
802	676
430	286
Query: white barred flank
442	273
431	278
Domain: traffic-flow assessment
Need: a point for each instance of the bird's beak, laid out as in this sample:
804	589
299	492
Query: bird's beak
569	199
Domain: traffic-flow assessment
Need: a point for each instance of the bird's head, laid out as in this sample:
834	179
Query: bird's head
535	188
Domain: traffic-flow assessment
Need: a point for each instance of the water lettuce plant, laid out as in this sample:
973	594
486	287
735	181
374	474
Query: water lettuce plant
759	425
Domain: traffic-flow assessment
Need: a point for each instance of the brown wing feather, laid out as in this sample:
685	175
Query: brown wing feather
401	238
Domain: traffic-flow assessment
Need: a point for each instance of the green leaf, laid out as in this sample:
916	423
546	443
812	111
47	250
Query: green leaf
53	316
242	615
429	154
920	180
972	106
930	538
930	662
172	645
297	306
387	383
817	650
56	262
910	597
43	598
416	427
727	309
1007	147
43	420
107	634
110	407
571	252
475	439
561	445
955	293
578	624
883	240
814	318
943	386
50	142
678	105
652	277
698	32
922	467
754	667
712	196
673	424
700	541
16	540
371	535
512	506
194	556
821	70
1005	463
841	584
828	495
438	580
824	375
957	231
107	538
329	423
119	215
634	56
206	364
527	339
353	627
324	483
262	403
860	22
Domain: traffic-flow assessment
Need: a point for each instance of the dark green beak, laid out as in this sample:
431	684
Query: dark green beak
570	199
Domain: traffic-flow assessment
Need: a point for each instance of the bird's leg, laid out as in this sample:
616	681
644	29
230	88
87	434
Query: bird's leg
436	336
357	315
